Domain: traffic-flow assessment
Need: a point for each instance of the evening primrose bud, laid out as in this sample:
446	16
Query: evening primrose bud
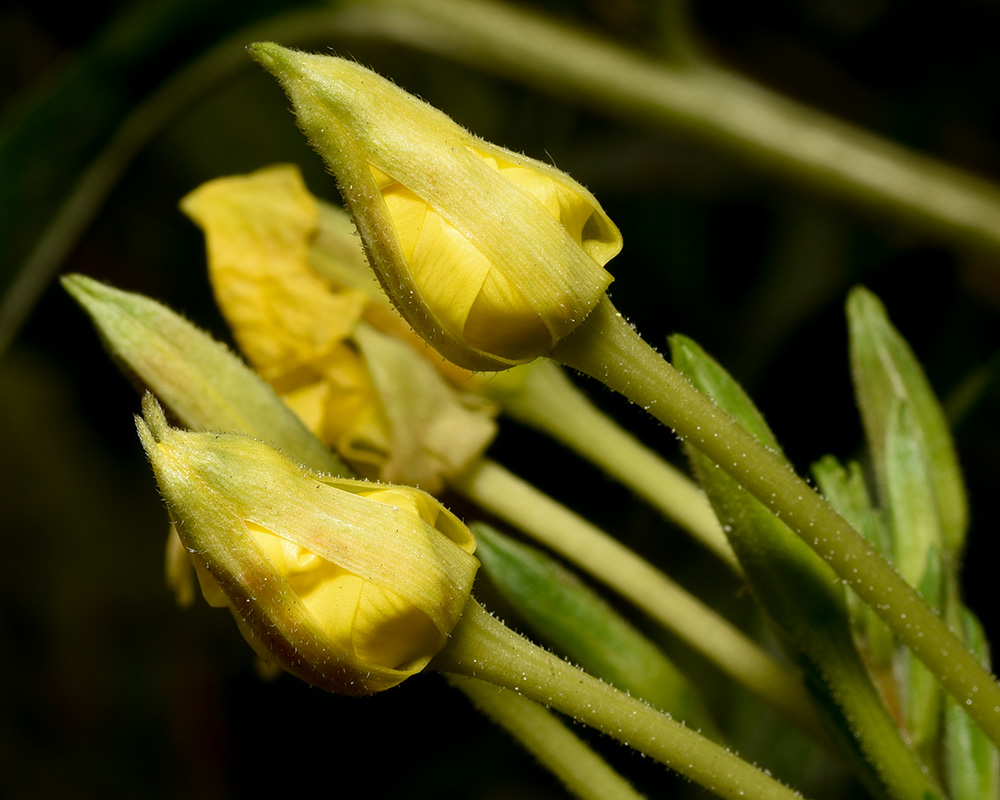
491	256
350	585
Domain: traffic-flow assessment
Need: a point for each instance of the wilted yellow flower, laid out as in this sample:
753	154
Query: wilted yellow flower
351	586
375	400
282	313
492	257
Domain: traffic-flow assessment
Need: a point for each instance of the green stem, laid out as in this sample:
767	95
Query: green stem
582	771
544	398
752	124
607	348
483	647
500	492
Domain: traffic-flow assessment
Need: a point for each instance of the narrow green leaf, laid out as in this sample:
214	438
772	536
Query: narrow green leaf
203	383
66	143
803	599
574	620
885	370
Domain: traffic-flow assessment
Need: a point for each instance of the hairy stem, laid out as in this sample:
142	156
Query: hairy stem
502	493
607	348
546	399
483	647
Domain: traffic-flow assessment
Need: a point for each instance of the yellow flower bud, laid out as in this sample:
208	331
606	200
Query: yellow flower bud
491	256
351	586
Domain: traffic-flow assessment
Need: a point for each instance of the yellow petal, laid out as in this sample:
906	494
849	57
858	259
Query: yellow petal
258	230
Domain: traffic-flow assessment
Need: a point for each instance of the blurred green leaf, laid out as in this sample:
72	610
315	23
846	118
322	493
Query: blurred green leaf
916	551
914	524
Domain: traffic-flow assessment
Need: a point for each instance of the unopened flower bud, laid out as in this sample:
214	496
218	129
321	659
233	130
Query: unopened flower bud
491	256
350	585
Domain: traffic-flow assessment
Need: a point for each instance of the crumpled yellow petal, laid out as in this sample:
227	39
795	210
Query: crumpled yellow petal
258	230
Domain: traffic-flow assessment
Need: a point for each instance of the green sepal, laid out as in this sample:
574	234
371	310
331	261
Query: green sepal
844	486
203	383
804	600
971	762
577	623
885	370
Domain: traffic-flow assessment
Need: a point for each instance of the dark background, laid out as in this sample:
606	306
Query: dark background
108	690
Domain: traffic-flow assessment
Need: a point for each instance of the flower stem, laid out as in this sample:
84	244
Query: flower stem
483	647
545	399
502	493
582	771
607	348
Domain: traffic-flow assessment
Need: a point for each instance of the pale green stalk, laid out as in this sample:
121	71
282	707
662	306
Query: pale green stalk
483	647
707	103
543	397
606	347
499	492
565	755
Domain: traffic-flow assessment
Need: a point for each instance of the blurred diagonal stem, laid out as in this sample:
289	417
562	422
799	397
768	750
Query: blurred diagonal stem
582	771
83	204
685	93
704	101
86	199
